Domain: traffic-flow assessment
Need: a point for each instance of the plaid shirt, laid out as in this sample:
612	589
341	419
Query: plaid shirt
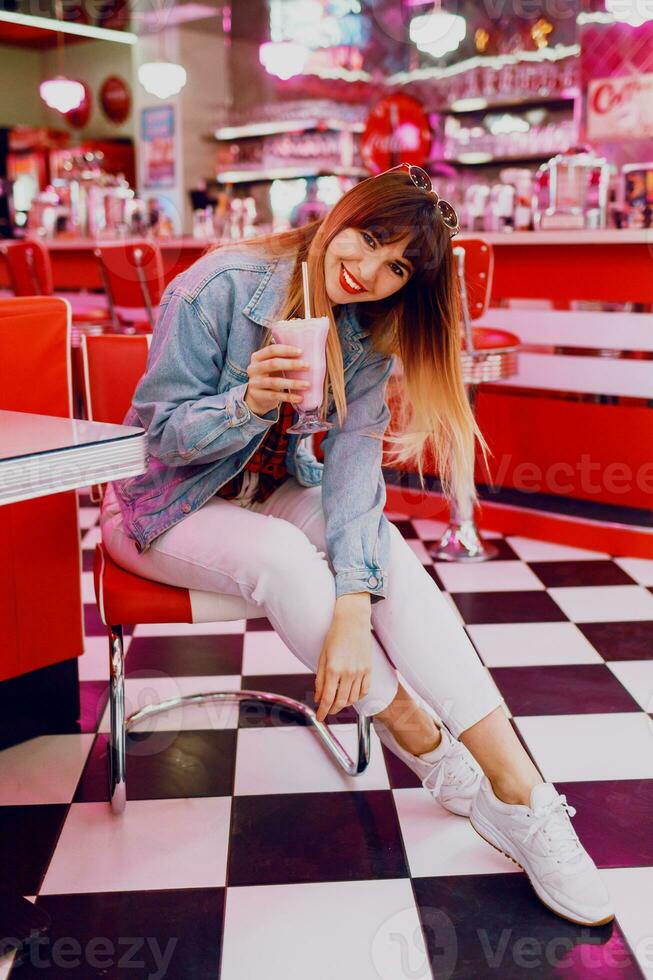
269	460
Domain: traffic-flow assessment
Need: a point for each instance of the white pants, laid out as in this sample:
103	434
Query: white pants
274	555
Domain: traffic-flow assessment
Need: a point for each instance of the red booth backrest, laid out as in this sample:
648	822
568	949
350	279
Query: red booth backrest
113	365
479	269
40	597
124	263
30	268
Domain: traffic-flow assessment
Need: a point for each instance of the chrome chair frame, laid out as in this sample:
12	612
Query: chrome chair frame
120	725
461	541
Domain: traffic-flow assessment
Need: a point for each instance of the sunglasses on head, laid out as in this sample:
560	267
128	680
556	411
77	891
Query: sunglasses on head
421	179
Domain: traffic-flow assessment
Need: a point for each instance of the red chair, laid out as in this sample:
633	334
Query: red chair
132	274
123	358
126	598
488	354
30	274
40	598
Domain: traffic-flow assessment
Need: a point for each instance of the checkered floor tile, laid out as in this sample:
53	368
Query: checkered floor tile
244	853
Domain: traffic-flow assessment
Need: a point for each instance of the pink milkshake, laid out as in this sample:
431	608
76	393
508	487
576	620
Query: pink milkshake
310	335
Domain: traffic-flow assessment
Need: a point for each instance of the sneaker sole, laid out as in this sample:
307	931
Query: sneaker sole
543	897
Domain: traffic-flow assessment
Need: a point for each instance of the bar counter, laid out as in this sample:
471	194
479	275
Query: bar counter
528	264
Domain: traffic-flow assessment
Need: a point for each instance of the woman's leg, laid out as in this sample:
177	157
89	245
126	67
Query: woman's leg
432	651
265	559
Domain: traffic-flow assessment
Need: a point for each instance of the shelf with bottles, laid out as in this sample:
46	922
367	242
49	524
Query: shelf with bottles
250	175
481	159
495	137
463	107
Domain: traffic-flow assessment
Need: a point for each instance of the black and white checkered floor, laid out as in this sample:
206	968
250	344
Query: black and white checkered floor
245	854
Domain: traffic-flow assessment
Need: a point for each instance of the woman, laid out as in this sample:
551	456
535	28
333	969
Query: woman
231	503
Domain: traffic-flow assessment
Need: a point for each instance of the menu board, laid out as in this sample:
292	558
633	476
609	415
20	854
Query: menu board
158	146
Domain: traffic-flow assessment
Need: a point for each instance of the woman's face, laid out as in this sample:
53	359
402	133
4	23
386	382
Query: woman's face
359	269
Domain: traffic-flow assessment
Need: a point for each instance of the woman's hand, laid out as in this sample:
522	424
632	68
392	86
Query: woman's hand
345	665
267	389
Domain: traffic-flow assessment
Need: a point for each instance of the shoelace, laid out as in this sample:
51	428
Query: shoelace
556	813
434	779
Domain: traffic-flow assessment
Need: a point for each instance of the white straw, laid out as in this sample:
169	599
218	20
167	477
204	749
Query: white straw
307	302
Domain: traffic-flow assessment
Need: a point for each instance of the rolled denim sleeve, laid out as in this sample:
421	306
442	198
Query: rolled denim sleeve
353	487
176	400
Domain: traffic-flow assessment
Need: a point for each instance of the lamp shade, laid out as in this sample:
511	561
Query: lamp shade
62	94
283	58
162	78
437	33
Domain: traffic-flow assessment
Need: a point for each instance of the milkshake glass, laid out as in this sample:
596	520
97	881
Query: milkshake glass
310	335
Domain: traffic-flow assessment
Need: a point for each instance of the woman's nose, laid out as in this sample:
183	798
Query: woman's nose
369	268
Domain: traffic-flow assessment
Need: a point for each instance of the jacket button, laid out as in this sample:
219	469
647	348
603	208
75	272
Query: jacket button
373	581
186	508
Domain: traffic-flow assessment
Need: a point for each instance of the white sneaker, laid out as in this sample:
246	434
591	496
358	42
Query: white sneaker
541	840
449	772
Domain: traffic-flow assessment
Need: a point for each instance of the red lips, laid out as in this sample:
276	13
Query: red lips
355	290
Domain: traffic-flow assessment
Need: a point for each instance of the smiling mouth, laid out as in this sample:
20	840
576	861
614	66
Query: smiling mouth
349	283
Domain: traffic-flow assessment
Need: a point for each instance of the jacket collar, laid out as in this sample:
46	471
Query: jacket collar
265	304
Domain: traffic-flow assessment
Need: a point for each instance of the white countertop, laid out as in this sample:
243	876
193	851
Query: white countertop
43	454
562	236
558	236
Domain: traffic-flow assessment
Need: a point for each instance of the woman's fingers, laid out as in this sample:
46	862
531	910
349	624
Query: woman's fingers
268	383
328	696
365	684
319	678
344	693
356	689
276	350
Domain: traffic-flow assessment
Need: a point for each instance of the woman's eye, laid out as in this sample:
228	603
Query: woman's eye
397	269
367	238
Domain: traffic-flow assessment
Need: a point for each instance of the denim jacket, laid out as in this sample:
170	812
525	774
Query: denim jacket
201	432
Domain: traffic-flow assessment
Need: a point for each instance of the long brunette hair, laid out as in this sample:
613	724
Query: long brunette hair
420	323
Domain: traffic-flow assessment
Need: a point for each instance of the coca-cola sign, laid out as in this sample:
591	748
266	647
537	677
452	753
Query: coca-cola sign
397	131
620	108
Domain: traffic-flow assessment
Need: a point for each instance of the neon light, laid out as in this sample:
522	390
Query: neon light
67	27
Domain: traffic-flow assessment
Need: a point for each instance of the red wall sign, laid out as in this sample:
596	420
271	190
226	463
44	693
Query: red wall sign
397	131
115	98
80	116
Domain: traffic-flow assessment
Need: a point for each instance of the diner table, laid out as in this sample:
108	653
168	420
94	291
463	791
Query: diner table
42	455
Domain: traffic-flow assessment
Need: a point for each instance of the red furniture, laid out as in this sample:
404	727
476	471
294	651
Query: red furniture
126	598
132	273
119	357
30	274
40	600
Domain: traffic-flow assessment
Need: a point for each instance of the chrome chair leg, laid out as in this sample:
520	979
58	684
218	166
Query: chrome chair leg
116	757
120	725
461	540
331	743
